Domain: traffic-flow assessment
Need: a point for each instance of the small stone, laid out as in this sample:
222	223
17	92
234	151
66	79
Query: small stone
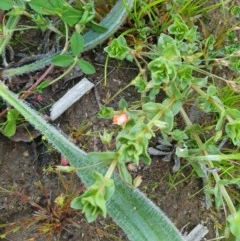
132	167
25	153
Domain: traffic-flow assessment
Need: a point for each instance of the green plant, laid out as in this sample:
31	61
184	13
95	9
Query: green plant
78	17
234	221
180	65
71	18
9	127
125	198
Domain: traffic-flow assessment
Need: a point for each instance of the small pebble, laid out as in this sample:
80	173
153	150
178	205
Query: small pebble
25	153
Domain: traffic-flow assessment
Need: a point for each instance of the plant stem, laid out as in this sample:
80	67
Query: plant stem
66	72
34	86
217	105
220	157
8	30
111	169
210	164
161	112
119	92
208	73
105	70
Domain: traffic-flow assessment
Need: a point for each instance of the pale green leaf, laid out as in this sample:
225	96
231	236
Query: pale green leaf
6	5
62	60
77	43
86	67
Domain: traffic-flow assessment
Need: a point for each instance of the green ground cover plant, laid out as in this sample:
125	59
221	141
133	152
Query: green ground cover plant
177	56
180	65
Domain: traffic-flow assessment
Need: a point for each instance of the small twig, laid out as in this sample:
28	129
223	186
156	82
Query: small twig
95	140
97	97
3	113
31	89
34	86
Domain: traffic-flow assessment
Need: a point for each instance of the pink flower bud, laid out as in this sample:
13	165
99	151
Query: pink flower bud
120	119
64	161
38	98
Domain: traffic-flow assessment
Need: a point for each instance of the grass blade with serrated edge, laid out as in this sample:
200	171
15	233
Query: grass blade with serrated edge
139	218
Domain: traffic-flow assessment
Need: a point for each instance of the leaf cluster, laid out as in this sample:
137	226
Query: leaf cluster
180	64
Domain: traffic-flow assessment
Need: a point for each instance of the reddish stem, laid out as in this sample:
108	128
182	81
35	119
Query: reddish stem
34	86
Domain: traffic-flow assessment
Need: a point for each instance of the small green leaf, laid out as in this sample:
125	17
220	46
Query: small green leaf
176	107
71	15
217	197
106	137
140	83
123	104
234	223
220	121
86	67
198	168
168	47
119	49
62	60
159	124
178	28
67	169
182	152
12	115
97	27
139	127
233	131
144	157
43	7
162	70
101	156
6	5
124	173
10	128
76	203
106	112
234	113
88	13
129	150
152	107
77	43
212	90
93	201
16	12
42	86
169	119
235	181
179	135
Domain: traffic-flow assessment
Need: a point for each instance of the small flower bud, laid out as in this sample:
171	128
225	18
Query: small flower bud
64	161
120	119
